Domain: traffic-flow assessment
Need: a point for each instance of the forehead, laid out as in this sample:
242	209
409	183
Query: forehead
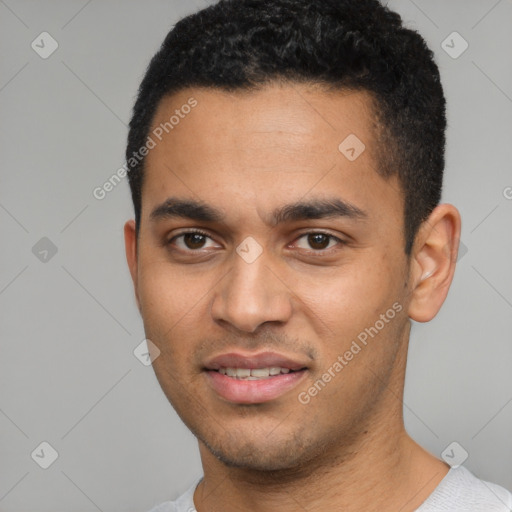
282	141
307	115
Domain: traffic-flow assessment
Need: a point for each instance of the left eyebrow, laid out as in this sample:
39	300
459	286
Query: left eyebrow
300	210
317	209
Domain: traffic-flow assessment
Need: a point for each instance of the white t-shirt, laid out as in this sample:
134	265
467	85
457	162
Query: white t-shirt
458	491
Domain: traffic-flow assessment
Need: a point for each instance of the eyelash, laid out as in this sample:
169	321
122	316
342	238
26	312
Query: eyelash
312	251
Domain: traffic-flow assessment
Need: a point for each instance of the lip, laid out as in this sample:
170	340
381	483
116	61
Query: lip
248	360
241	391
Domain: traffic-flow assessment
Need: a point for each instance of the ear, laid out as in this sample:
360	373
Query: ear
433	260
130	243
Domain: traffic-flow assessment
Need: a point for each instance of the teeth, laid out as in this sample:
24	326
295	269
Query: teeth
260	372
254	373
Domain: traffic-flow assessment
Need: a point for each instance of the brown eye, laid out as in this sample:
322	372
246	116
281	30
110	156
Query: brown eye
190	241
318	240
193	240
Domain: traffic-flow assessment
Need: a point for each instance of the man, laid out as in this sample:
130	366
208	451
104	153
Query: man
286	162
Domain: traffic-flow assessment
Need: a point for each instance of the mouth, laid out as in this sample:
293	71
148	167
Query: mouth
255	373
253	379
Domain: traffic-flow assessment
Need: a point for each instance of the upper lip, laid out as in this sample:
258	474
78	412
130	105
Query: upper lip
259	360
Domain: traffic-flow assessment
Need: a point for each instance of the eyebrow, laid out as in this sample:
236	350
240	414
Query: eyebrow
301	210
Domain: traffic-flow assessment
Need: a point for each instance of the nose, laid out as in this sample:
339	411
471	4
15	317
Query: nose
251	294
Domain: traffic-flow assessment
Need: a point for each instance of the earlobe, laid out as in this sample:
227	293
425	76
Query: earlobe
433	262
130	242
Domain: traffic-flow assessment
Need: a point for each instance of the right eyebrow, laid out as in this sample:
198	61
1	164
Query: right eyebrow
186	208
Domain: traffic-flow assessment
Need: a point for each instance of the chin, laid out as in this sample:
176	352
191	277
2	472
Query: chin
282	454
256	461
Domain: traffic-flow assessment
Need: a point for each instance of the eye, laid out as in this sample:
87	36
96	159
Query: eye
190	241
195	240
319	241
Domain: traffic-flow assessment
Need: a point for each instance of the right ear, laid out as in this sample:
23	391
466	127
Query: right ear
130	244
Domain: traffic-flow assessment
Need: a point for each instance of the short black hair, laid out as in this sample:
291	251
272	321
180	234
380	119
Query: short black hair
342	44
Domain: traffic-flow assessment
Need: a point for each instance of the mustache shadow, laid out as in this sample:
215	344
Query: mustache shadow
261	342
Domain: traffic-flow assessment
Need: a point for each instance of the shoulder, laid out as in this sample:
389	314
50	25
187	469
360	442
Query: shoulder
185	503
462	491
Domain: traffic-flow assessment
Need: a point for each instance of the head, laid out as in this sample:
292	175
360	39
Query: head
287	202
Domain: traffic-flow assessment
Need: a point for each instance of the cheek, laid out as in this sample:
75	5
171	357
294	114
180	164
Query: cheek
170	306
351	298
168	294
357	317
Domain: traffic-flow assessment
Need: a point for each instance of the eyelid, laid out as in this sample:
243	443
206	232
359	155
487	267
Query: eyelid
187	231
340	241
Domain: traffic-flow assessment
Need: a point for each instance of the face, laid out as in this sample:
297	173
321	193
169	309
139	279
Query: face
271	273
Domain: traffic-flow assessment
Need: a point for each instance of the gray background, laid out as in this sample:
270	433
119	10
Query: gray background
69	325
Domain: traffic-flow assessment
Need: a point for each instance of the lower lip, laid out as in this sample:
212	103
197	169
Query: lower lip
253	391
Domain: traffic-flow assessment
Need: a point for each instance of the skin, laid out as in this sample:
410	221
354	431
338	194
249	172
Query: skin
246	154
